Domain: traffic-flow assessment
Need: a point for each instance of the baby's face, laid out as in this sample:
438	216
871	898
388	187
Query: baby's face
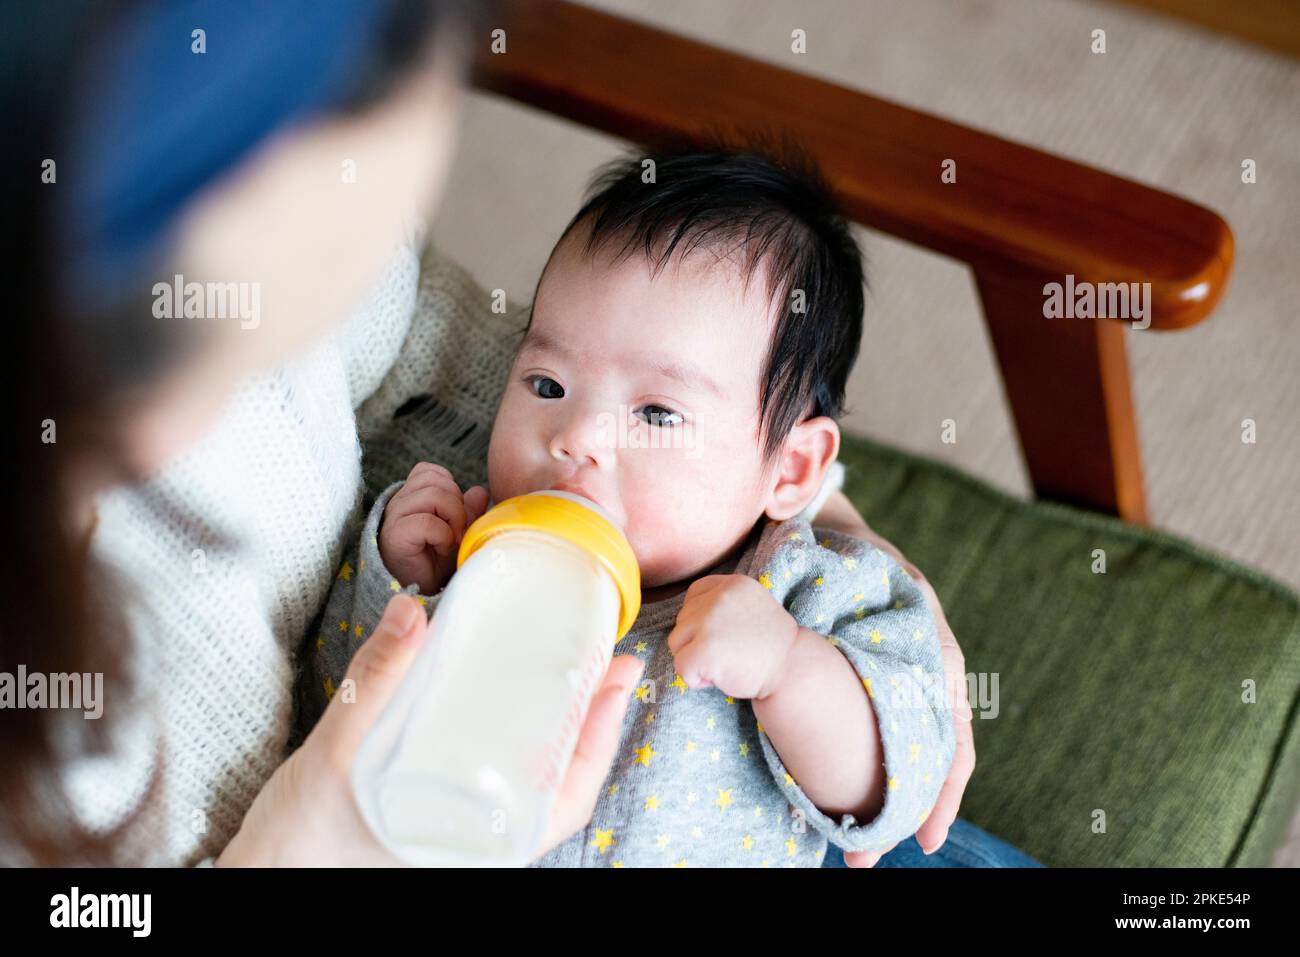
643	394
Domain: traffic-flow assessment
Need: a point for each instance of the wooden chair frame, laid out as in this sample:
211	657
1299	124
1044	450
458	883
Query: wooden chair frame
1020	218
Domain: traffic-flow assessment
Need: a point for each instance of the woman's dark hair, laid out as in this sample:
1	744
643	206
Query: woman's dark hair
61	613
765	197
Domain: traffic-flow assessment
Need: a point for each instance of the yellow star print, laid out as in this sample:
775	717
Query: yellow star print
357	630
790	847
747	842
915	750
320	642
850	563
343	626
876	636
642	693
690	747
679	684
681	863
346	572
617	864
893	783
604	840
788	779
329	688
715	755
652	803
612	790
650	718
866	683
393	586
640	646
765	580
744	750
730	700
644	754
819	581
723	800
711	724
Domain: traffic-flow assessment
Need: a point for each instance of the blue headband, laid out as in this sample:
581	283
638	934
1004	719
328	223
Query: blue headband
154	121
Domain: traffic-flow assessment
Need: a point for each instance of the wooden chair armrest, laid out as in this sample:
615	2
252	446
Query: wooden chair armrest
1012	206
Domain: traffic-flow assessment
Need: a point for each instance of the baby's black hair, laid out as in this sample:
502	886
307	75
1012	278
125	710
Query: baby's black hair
770	201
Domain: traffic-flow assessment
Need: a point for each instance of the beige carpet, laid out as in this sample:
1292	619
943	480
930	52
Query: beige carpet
1167	104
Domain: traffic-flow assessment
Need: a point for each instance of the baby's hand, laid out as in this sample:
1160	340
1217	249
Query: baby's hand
423	525
733	635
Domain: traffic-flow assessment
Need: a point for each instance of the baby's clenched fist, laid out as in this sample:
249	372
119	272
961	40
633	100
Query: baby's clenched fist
423	525
731	634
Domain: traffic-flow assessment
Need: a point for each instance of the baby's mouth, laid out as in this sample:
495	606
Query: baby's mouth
576	489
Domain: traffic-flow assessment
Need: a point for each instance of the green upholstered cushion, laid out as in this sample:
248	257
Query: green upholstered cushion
1119	692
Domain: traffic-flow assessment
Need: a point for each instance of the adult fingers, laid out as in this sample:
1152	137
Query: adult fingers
934	831
866	858
594	752
374	674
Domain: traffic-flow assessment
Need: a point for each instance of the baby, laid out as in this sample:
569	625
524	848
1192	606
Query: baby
683	367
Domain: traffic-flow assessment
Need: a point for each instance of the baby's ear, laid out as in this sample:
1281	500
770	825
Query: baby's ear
801	466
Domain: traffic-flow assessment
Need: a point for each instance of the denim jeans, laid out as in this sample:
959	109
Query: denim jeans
966	846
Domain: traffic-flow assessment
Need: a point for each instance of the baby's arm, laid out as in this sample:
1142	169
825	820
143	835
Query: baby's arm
820	721
378	566
858	728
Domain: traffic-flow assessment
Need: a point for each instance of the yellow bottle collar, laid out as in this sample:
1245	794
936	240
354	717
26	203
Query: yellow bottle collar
563	515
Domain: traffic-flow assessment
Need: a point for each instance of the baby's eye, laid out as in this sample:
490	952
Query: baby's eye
545	386
659	416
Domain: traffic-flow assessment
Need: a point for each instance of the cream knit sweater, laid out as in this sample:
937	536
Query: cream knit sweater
228	555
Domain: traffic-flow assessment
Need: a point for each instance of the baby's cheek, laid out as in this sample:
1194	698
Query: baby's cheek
657	554
671	545
658	546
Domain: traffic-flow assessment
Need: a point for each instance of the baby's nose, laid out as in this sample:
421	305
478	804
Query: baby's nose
584	439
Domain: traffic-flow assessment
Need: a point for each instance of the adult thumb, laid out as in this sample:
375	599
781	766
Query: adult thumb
375	673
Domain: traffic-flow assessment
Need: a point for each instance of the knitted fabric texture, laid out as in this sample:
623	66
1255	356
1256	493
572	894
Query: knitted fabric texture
227	555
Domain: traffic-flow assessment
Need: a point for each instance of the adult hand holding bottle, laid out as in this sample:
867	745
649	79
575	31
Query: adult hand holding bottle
306	814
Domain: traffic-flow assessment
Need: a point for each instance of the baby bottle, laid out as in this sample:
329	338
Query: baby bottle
463	766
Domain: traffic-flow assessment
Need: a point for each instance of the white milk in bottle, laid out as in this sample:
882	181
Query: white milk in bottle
463	765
